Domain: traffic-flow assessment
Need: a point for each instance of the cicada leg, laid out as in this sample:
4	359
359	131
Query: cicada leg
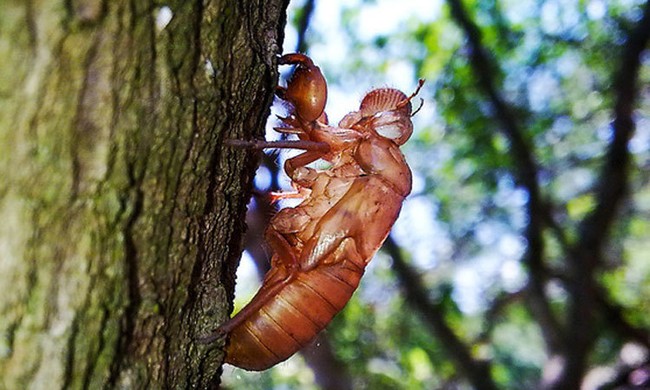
283	271
313	150
321	147
302	160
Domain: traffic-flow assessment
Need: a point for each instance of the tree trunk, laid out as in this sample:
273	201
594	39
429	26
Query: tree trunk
122	211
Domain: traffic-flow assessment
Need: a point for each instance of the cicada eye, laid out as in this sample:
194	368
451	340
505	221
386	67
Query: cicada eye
393	125
389	131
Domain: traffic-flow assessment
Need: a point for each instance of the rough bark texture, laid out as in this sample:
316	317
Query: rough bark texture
122	211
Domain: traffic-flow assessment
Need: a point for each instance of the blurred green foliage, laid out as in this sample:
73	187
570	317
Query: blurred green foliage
554	65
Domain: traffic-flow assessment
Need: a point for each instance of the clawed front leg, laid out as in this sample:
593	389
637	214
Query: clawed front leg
292	165
307	88
321	147
313	151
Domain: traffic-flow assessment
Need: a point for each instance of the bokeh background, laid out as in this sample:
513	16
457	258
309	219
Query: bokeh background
522	257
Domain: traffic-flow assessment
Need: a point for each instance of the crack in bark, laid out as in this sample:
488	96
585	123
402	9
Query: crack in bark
70	352
32	27
83	129
131	272
92	355
101	344
30	289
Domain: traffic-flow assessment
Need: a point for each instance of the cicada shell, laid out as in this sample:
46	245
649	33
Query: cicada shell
322	246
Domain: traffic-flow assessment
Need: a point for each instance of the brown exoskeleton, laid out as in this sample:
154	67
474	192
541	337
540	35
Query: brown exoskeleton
322	246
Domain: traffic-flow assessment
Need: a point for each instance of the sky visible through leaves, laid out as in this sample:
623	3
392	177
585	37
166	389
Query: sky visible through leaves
464	227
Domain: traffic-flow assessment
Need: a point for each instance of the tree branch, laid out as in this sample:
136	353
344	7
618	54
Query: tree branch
303	24
625	377
526	174
615	316
496	309
613	182
475	371
595	228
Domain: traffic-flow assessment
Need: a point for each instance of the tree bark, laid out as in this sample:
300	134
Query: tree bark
122	210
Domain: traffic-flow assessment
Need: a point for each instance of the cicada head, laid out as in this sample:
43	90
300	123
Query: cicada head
389	114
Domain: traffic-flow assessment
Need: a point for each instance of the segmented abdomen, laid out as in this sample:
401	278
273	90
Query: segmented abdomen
293	317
